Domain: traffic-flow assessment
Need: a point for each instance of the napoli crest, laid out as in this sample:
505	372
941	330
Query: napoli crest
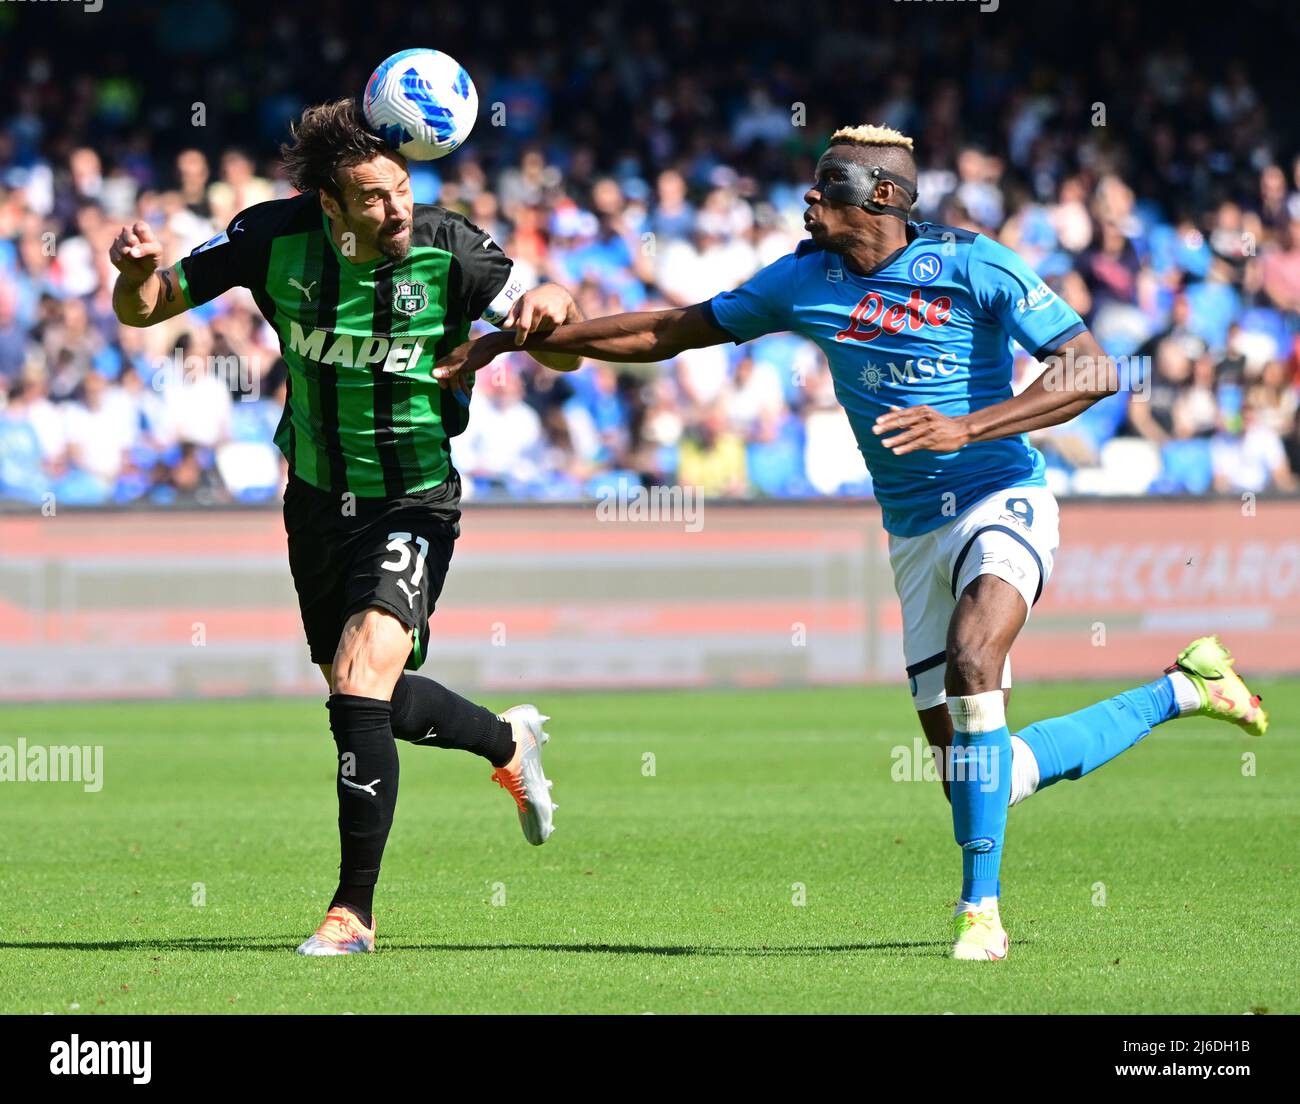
926	268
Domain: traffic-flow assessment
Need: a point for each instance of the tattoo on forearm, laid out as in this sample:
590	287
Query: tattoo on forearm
169	293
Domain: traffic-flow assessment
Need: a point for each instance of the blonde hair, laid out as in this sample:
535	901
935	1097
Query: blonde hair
869	135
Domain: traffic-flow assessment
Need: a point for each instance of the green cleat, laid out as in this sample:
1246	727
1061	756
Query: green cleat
978	936
1223	695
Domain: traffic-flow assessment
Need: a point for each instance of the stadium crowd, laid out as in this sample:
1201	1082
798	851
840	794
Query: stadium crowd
640	170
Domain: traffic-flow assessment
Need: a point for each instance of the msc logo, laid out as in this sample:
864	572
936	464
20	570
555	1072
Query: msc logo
926	268
1037	299
394	354
912	371
871	317
871	377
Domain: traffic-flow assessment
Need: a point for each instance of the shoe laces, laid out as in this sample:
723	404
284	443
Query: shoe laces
972	918
513	783
340	925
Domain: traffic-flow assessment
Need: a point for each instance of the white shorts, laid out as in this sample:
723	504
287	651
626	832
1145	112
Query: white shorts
1012	534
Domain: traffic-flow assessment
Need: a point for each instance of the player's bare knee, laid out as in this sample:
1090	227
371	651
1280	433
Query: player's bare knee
364	679
974	665
371	654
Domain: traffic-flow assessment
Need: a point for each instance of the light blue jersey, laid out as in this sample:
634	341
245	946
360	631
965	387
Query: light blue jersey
932	325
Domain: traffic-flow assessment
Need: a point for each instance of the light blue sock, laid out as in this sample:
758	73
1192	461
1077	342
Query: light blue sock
1078	743
980	786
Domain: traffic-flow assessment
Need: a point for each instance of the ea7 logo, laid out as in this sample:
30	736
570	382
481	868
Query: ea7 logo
871	317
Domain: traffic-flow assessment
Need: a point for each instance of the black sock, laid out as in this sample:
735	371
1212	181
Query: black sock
367	793
427	713
360	899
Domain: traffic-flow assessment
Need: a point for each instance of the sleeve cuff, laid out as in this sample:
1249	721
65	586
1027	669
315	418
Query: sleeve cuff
184	283
1051	346
712	316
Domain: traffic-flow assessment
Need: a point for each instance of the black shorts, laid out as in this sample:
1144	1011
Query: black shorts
348	554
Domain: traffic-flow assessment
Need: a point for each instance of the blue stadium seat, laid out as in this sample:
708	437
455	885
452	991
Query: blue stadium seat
1265	320
21	476
79	488
1213	307
131	486
1186	468
249	421
255	495
1101	421
600	486
776	467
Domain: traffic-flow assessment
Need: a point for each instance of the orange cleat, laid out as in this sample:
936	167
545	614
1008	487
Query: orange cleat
523	778
341	933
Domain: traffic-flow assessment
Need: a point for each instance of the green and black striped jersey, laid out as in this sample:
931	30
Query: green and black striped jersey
364	413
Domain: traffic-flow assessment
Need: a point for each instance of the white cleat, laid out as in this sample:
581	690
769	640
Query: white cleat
523	775
978	935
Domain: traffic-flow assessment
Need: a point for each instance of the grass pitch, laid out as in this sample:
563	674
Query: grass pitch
715	852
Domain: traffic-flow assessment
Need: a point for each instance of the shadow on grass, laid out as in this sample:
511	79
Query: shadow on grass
270	943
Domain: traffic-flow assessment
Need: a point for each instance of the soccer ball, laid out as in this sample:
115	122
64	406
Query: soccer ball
422	103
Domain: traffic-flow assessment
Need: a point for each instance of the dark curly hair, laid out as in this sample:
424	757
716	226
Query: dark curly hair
329	137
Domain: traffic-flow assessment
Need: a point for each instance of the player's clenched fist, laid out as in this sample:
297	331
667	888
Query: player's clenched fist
135	252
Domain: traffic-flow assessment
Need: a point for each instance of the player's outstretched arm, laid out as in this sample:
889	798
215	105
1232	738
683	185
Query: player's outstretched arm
1053	398
540	311
623	338
143	295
